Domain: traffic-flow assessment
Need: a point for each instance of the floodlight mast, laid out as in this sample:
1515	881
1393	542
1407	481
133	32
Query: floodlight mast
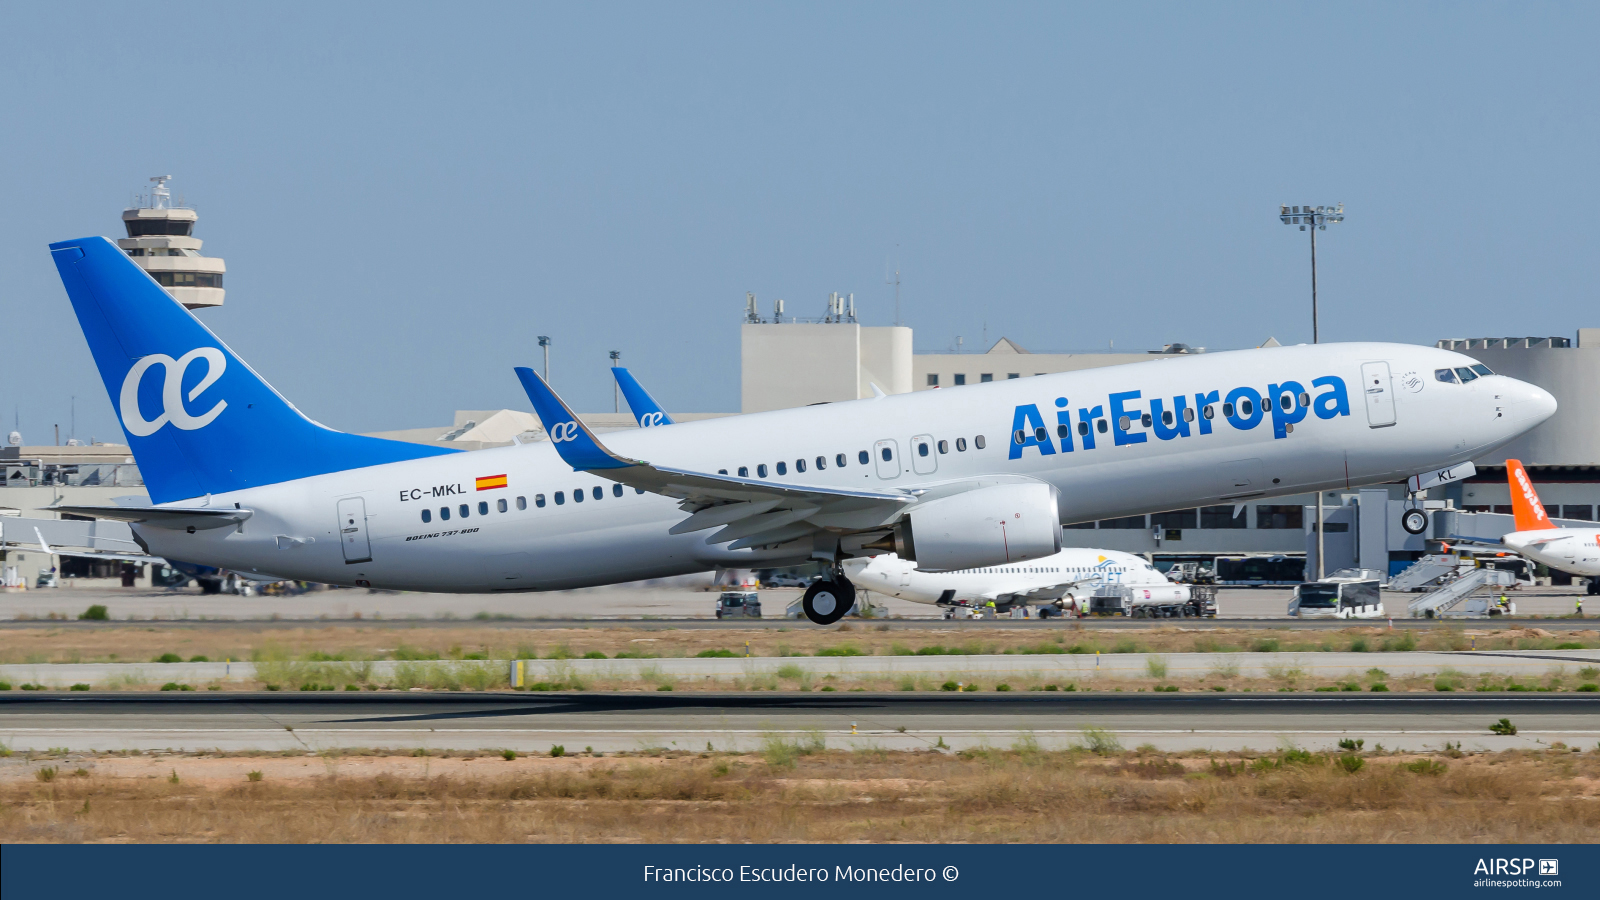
1314	220
616	400
544	343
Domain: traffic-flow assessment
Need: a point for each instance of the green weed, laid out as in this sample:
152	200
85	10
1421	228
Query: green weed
1099	741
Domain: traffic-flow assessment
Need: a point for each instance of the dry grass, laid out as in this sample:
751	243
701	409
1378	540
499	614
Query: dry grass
1017	795
142	643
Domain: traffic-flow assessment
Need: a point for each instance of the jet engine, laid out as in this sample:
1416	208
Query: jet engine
989	526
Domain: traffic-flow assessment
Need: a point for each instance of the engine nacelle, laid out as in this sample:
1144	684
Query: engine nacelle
991	526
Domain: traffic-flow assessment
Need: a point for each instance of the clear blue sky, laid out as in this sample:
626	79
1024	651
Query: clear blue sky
406	194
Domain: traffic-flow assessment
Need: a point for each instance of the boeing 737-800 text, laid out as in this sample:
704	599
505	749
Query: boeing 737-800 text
952	479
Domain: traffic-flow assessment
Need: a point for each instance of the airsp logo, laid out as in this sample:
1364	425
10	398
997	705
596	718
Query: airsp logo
651	419
563	431
172	399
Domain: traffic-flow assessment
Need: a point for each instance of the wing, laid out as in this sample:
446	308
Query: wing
753	512
1044	594
199	518
1473	541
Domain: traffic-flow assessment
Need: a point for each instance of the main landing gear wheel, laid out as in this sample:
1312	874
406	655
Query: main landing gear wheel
826	602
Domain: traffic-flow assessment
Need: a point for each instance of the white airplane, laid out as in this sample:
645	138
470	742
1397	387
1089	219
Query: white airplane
1066	578
951	479
1575	551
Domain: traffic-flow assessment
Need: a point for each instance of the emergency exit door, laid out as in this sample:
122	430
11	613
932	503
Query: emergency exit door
887	455
353	530
1379	393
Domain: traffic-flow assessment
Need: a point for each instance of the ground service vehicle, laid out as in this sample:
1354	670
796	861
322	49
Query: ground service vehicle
1178	602
737	604
1252	570
1339	598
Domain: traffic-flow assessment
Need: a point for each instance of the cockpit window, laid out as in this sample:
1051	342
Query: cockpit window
1445	375
1482	369
1466	375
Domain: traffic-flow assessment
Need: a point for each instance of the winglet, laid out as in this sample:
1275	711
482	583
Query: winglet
645	408
1525	505
574	441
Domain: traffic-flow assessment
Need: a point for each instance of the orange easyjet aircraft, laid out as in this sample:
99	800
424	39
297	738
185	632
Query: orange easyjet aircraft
1574	550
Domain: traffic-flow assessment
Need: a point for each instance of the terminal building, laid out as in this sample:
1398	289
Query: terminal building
789	361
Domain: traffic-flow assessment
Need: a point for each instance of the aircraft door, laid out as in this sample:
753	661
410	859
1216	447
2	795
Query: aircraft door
887	455
923	459
1379	391
353	530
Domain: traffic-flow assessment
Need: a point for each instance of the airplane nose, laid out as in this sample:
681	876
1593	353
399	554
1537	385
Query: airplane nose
1534	403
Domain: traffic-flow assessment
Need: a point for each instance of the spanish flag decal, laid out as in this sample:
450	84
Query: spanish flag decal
490	482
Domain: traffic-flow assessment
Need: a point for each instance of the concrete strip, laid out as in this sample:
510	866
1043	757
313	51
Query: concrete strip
1529	663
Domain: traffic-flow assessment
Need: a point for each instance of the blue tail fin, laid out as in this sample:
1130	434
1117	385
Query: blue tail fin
576	444
199	420
645	408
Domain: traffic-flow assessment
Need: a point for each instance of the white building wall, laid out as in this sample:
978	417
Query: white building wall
886	360
1003	361
787	365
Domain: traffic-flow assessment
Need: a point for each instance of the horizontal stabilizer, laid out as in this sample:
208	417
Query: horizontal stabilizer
199	518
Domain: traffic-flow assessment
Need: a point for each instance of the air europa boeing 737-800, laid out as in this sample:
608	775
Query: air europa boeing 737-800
950	479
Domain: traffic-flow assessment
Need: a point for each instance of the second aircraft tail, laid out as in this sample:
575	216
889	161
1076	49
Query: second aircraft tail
1525	505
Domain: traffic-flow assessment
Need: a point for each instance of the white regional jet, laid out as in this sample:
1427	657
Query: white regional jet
1067	578
1575	551
951	479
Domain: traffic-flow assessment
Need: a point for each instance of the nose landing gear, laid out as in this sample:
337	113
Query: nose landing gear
826	602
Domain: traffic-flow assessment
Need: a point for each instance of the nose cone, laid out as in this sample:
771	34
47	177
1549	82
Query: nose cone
1543	402
1529	404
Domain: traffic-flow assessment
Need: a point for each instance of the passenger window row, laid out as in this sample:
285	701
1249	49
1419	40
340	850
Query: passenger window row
841	460
465	510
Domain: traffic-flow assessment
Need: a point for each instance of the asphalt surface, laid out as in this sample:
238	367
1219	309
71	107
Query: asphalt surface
612	722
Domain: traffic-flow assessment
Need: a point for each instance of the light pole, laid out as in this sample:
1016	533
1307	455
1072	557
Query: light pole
616	400
1314	219
544	342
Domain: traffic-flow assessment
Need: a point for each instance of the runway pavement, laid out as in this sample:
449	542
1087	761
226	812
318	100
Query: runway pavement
612	722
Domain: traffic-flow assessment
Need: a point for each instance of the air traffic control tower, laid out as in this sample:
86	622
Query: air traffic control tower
161	240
